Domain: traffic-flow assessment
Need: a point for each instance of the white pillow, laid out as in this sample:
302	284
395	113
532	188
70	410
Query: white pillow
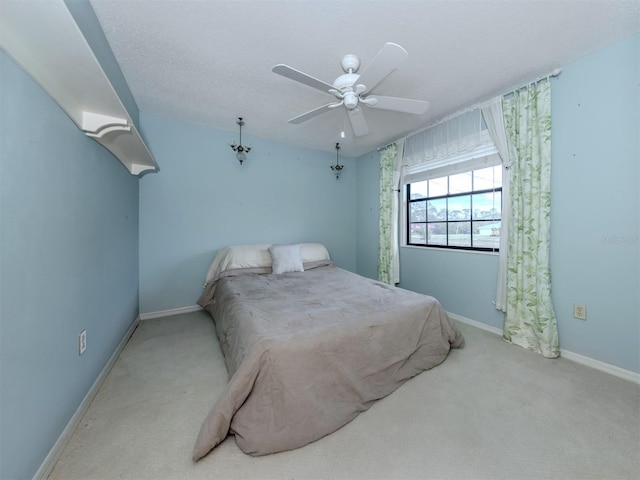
239	256
286	258
313	252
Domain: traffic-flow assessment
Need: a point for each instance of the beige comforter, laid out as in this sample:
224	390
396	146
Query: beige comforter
308	351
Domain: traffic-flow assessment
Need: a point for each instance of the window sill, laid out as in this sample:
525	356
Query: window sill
451	250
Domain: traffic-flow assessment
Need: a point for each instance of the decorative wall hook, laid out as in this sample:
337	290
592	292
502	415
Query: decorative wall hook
240	150
337	168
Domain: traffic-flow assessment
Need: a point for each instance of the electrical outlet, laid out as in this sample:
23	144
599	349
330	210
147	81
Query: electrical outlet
82	342
580	311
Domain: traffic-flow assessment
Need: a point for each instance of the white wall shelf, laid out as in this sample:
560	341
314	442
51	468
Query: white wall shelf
44	39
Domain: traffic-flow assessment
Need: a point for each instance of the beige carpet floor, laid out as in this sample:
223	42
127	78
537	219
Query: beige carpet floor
490	411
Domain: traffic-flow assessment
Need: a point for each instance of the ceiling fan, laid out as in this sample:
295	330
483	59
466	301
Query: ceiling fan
352	90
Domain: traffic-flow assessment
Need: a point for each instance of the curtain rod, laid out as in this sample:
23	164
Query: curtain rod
388	144
554	73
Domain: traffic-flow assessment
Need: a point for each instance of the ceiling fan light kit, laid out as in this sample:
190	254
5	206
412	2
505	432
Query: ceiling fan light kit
352	89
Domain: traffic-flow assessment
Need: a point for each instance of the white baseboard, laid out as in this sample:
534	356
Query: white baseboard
598	365
169	313
475	323
574	357
51	459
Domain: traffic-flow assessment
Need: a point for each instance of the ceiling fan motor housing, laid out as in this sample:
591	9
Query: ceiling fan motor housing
346	81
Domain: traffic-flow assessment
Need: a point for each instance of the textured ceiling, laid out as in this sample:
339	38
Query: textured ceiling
210	62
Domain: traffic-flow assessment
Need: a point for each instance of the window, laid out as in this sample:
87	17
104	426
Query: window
460	210
452	182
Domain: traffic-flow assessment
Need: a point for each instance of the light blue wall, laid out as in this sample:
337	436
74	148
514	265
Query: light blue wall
595	217
203	199
467	287
68	262
368	214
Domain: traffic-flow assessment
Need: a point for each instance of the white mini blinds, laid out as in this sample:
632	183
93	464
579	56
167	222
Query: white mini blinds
459	144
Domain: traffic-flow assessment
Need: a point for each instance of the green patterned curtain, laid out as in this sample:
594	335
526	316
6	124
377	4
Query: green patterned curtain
388	185
530	320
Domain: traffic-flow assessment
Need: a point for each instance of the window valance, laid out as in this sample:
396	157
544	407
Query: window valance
460	138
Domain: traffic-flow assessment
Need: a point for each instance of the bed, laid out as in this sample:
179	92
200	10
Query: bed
308	345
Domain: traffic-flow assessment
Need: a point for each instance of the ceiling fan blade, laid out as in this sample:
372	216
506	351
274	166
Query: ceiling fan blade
358	123
385	62
404	105
302	77
312	113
